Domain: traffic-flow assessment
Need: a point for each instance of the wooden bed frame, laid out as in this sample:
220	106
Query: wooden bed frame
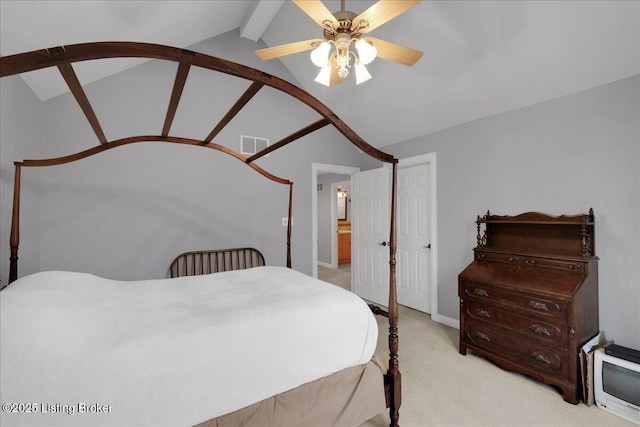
63	57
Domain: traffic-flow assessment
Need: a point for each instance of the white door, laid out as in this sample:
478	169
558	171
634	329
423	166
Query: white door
413	258
370	202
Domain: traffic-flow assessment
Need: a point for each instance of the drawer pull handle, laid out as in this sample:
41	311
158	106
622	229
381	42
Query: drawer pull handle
538	306
513	259
541	358
541	330
482	336
483	313
531	261
482	256
480	292
575	266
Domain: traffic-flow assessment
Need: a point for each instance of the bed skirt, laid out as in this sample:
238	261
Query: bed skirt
347	398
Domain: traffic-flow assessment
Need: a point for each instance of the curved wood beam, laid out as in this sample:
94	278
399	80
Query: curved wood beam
35	60
148	138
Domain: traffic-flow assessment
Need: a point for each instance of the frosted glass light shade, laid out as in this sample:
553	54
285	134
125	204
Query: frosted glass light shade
324	76
366	51
362	75
320	55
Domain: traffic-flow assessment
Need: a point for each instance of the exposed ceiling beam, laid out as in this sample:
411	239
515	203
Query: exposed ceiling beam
259	18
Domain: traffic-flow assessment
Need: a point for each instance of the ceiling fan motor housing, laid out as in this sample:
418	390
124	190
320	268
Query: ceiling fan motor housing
345	26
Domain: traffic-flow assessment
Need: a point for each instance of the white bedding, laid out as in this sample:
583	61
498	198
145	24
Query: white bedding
170	352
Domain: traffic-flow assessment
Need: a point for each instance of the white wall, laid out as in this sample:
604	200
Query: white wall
563	156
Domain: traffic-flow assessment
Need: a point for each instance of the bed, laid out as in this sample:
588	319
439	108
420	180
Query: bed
159	349
156	352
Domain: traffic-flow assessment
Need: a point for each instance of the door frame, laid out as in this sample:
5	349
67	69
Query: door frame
316	169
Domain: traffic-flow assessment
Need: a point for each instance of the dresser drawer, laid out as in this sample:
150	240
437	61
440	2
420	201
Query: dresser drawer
547	332
506	258
539	306
505	345
555	263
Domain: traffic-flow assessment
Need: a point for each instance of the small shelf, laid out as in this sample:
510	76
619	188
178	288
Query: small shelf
538	233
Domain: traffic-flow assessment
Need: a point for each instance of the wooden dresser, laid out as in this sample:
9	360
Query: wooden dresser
529	300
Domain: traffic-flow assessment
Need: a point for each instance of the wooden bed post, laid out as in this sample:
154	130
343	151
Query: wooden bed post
14	239
289	225
393	376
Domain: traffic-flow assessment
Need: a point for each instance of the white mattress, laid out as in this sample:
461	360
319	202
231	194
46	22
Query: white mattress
170	352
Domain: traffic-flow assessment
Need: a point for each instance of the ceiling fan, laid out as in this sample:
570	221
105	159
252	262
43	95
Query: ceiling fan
342	29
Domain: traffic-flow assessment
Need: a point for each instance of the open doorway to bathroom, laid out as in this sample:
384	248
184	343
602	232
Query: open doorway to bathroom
331	223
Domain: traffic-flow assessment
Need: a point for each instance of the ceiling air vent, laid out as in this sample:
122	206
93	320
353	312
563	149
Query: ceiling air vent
252	144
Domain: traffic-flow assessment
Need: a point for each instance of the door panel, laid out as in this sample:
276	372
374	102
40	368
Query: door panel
414	259
370	230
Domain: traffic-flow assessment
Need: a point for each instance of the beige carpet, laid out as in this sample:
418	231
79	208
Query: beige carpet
440	387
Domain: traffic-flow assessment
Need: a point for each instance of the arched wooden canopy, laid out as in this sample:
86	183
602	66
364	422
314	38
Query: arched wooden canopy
63	57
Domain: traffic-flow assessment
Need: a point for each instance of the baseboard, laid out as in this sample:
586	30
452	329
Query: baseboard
449	321
325	265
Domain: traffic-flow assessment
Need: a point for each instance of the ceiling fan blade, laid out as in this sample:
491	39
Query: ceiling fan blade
286	49
395	52
383	11
317	11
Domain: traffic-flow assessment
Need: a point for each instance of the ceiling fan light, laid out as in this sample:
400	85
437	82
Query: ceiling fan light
362	75
320	55
324	76
366	51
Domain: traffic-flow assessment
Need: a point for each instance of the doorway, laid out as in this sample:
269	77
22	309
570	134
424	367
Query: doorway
331	221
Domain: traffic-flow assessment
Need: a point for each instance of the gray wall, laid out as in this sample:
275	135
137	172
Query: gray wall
126	213
561	156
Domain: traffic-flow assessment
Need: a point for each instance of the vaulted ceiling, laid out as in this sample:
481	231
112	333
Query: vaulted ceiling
480	57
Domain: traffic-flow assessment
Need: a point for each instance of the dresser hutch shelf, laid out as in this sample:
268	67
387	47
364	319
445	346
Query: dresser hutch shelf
529	300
